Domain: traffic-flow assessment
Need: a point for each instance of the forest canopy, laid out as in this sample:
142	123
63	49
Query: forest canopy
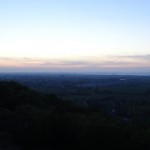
32	120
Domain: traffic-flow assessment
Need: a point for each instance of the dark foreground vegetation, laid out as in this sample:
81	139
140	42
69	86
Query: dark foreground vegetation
32	120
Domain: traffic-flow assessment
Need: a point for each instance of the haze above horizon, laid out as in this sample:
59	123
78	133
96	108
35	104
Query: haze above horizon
75	36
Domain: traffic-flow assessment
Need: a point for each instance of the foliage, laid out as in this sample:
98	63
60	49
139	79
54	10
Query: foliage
33	120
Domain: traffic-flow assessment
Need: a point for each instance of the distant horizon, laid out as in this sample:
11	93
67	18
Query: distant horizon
80	73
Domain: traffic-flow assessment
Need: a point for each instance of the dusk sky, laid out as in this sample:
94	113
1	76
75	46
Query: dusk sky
75	36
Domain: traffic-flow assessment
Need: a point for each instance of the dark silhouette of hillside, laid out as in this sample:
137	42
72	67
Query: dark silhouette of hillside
32	120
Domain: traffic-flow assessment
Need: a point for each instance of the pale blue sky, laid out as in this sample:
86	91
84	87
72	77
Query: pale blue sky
90	35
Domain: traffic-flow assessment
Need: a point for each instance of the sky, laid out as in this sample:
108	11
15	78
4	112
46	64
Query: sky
75	36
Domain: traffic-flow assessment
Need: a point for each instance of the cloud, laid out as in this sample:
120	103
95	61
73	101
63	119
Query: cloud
126	62
136	57
6	58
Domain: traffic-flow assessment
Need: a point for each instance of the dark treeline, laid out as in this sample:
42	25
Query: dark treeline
32	120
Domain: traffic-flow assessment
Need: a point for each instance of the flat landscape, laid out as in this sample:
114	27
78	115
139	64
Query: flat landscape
121	95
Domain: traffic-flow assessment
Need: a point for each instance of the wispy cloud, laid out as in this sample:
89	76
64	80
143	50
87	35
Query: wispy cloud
87	63
137	57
